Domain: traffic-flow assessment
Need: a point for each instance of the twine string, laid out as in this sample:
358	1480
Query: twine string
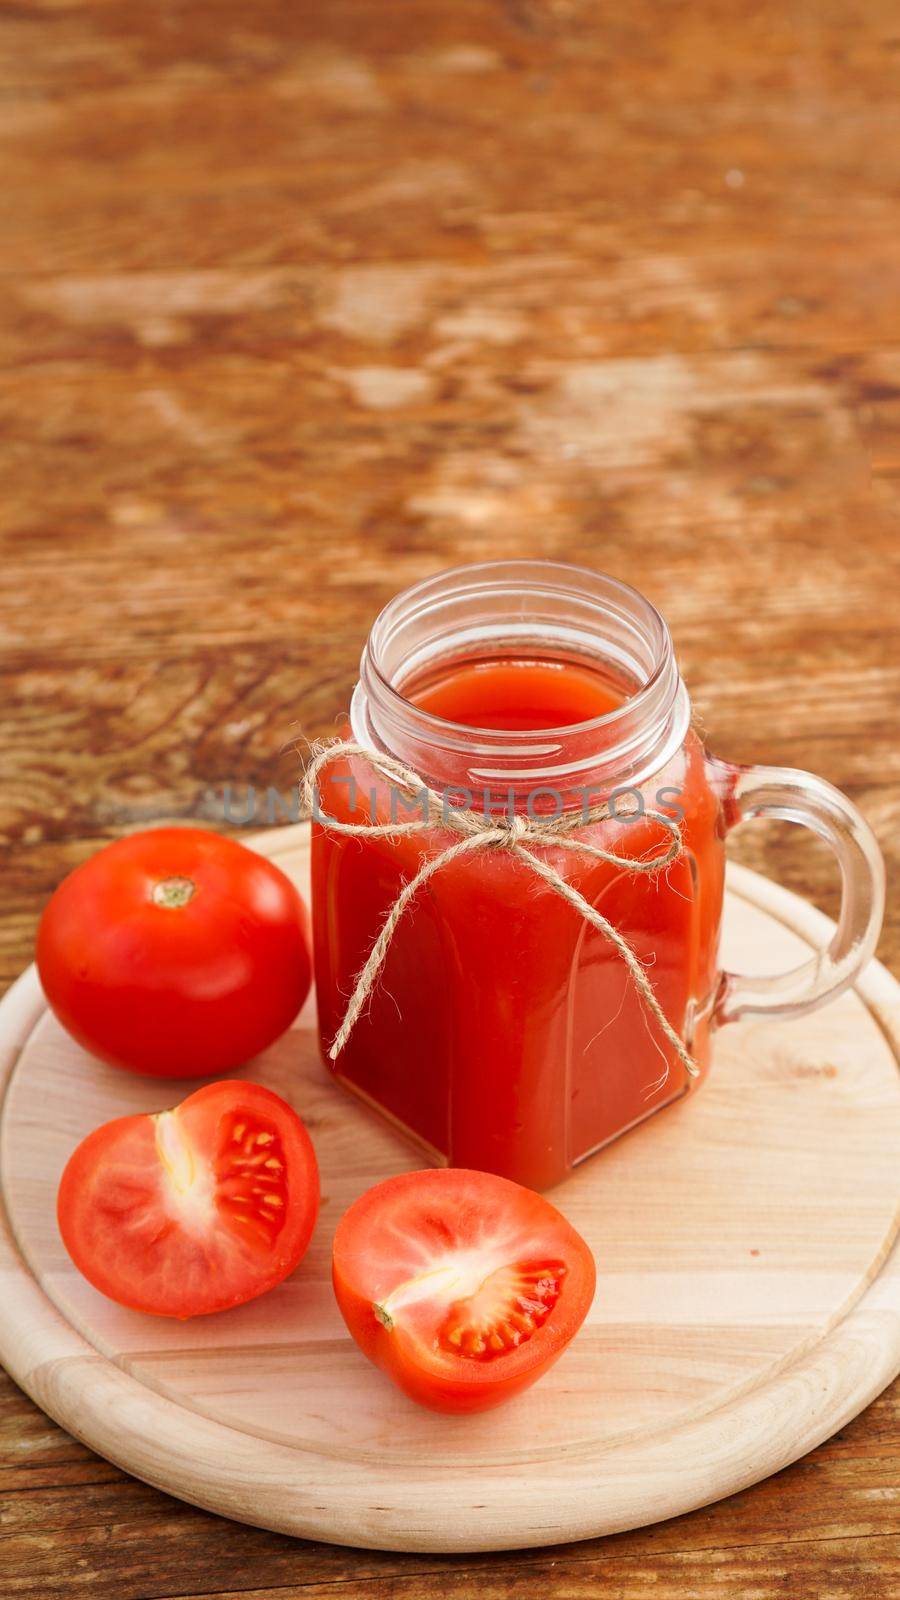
517	835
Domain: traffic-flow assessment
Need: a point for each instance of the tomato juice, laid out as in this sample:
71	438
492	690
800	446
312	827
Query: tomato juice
505	1033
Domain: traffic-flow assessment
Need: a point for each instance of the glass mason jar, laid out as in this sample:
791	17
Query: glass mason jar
505	1032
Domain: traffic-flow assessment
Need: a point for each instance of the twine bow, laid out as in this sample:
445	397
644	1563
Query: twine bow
517	835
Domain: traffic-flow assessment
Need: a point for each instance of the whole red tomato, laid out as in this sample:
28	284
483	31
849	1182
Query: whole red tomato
175	952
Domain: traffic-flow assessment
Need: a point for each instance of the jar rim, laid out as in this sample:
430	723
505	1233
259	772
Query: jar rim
625	733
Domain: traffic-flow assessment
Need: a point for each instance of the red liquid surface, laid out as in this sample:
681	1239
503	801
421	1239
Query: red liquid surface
505	1032
518	693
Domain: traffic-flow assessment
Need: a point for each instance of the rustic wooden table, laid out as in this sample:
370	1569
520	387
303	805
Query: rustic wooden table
302	303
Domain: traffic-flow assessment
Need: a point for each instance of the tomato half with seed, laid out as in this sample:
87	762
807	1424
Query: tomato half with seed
196	1209
175	952
463	1287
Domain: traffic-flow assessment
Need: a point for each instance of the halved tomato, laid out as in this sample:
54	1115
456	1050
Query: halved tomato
462	1286
195	1209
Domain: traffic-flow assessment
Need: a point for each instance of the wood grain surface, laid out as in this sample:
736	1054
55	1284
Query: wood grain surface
302	303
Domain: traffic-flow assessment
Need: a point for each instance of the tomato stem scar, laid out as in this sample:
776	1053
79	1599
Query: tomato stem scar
173	892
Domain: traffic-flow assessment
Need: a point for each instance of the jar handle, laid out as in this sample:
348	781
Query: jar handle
793	796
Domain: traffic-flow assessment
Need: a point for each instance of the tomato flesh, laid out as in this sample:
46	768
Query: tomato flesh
462	1286
175	952
196	1209
504	1312
251	1176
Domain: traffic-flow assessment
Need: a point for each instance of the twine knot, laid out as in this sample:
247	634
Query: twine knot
515	830
517	834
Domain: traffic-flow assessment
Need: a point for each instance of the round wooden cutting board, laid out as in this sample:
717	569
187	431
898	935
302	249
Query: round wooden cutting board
748	1301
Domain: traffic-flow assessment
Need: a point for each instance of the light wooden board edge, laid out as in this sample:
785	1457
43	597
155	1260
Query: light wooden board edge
627	1484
